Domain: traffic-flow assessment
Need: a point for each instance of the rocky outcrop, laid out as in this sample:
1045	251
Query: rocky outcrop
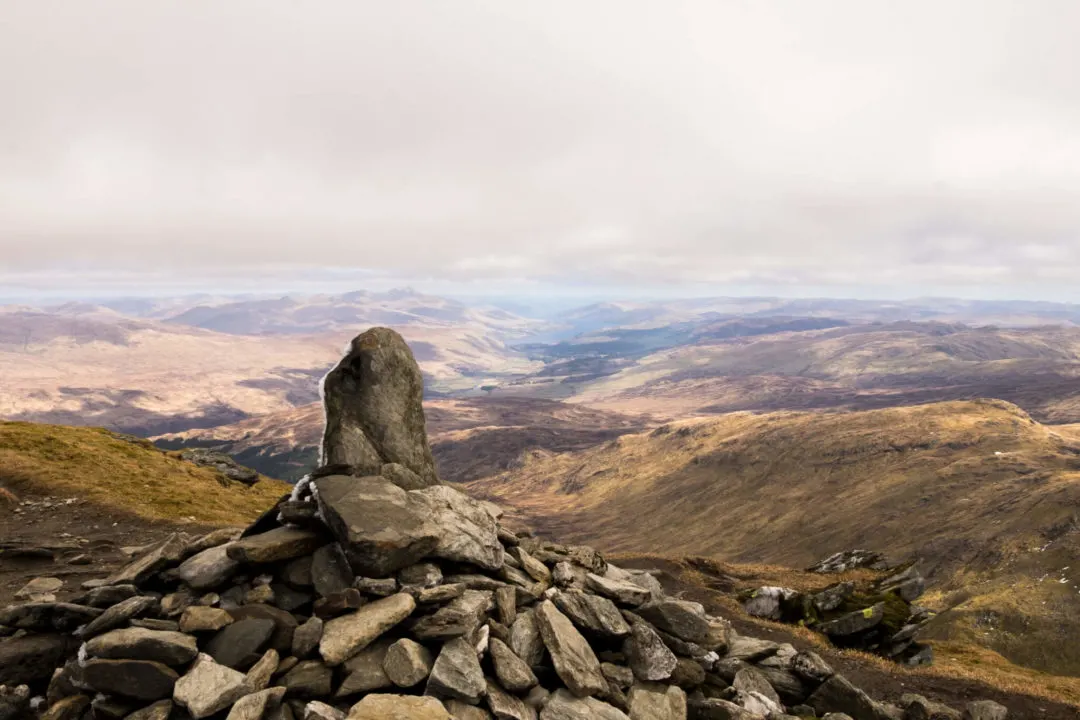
374	412
876	616
361	598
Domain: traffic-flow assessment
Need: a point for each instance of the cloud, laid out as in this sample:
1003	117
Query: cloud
837	143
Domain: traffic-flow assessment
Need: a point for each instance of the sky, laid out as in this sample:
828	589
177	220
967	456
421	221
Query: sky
863	148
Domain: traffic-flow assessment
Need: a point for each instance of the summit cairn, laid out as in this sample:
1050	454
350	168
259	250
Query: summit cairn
376	594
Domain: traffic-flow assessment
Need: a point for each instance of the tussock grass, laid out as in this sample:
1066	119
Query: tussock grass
124	474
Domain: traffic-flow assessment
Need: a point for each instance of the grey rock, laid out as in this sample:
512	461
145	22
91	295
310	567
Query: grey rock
564	706
850	560
132	643
985	710
513	673
681	618
381	527
344	636
284	624
650	701
788	686
569	575
621	675
463	616
258	677
407	663
69	708
525	638
309	678
592	613
374	412
688	674
505	706
466	531
44	617
14	702
204	619
137	679
160	555
649	658
283	543
214	538
456	673
463	711
424	575
160	710
288	599
297	573
118	615
439	593
719	709
854	622
241	643
107	595
306	638
537	570
364	671
398	707
208	687
316	710
155	624
917	707
749	681
379	587
330	571
838	695
402	476
506	605
833	596
750	649
767	602
575	662
256	705
810	667
208	569
31	659
622	592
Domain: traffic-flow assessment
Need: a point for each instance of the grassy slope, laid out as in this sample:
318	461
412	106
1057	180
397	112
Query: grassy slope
125	474
993	531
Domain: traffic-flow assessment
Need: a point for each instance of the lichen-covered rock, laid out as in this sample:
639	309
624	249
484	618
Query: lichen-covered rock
407	663
374	407
592	613
854	622
506	706
513	673
985	710
649	658
466	531
767	602
681	618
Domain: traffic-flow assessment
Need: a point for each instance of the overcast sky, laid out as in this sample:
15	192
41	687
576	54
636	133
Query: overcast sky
830	147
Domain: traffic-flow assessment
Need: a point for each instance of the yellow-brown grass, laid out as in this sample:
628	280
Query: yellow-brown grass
102	468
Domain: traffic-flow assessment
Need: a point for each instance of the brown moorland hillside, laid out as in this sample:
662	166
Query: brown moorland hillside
983	496
470	437
854	367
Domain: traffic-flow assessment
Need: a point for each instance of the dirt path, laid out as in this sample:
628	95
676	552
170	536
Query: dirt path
71	540
879	684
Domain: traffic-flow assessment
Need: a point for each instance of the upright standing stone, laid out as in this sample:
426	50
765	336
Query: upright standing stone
374	414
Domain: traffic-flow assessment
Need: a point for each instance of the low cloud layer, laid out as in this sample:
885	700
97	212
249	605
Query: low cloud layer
775	143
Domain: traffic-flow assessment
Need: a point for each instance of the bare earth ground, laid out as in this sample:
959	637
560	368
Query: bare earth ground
48	533
880	684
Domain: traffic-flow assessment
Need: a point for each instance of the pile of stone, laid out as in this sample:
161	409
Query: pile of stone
877	616
373	592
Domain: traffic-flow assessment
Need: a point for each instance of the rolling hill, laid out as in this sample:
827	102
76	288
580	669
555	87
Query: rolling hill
983	496
470	438
89	365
